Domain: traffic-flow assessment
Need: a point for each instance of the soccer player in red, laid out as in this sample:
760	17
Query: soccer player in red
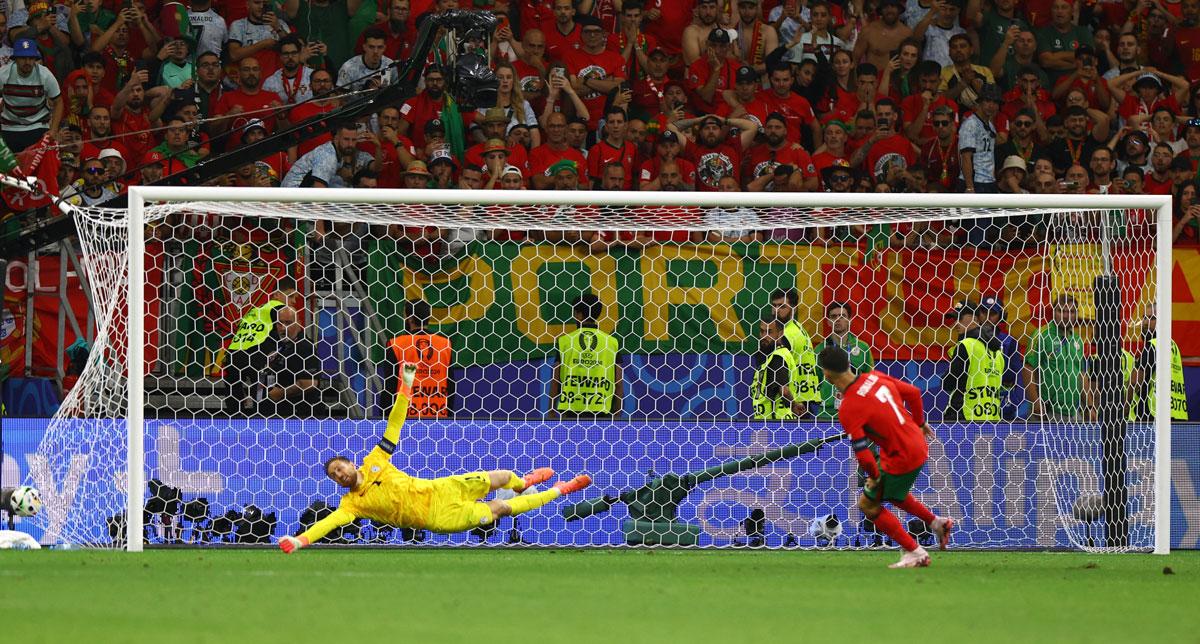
881	409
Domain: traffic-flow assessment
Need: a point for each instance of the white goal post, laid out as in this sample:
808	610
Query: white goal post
631	211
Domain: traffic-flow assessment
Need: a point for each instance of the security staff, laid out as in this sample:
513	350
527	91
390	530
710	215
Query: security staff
1142	379
992	308
587	382
775	381
976	377
432	353
808	390
252	342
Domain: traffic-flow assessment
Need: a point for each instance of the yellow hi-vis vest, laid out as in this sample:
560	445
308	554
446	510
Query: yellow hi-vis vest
985	368
777	408
1179	409
807	383
588	372
254	327
1127	376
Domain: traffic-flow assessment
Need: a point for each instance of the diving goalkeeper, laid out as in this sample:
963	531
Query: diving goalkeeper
379	491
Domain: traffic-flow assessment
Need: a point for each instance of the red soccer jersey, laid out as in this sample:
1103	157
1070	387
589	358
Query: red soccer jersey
699	74
136	139
560	45
874	408
1187	45
605	65
604	153
794	107
544	156
418	111
254	106
714	163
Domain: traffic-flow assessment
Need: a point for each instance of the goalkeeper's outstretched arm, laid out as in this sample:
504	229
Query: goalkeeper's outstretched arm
399	412
319	529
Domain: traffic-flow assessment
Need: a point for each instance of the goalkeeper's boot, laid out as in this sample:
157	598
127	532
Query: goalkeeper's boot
574	485
912	559
942	526
539	475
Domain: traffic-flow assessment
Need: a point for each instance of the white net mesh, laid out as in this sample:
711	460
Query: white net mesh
1044	437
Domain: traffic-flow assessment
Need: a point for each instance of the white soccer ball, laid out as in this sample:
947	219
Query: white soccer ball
26	501
825	529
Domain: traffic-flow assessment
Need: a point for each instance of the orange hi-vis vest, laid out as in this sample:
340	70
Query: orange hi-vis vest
431	387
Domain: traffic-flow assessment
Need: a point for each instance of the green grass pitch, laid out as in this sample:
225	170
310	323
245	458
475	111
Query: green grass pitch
568	596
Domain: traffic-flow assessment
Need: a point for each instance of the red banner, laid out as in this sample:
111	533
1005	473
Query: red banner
44	279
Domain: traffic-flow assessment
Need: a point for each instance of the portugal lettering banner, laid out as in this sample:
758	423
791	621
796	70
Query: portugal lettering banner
503	302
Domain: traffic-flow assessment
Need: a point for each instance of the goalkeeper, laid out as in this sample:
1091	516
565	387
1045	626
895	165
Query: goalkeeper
379	491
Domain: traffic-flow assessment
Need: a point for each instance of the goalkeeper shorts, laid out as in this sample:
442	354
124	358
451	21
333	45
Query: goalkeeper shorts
456	503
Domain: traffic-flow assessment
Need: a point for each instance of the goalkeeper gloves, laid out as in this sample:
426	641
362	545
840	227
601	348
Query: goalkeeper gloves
290	544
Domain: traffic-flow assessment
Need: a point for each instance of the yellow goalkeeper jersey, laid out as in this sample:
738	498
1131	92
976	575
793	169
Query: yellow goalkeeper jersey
387	494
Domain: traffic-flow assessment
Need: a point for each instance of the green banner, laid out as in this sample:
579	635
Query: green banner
502	301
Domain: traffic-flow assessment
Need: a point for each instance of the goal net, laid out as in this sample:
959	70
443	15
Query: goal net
632	336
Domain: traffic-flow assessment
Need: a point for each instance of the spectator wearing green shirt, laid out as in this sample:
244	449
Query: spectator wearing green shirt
1054	374
175	143
1058	41
87	20
327	22
838	316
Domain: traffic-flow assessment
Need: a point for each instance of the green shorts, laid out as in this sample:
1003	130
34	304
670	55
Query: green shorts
892	487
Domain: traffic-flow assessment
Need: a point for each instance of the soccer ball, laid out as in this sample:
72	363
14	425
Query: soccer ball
825	529
26	501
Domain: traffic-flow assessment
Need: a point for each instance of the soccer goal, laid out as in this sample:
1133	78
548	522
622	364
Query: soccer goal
245	336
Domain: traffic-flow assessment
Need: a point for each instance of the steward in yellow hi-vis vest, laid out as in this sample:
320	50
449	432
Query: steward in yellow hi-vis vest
588	379
432	354
975	379
1143	384
773	390
245	358
1141	381
254	327
807	380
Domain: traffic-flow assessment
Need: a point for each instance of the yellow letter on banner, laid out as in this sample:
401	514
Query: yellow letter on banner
480	287
527	294
658	295
809	263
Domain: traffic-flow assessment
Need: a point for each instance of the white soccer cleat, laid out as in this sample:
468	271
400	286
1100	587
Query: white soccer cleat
942	527
409	373
912	559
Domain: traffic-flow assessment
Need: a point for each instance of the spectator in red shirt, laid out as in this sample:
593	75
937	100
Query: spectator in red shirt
714	155
555	149
1187	39
1148	94
634	45
713	73
1158	180
424	107
939	155
834	147
666	151
564	34
1086	78
776	150
596	70
613	148
918	107
131	116
795	108
1028	94
248	98
323	102
885	148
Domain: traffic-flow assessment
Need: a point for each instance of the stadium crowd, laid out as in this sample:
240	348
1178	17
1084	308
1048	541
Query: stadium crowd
1011	96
